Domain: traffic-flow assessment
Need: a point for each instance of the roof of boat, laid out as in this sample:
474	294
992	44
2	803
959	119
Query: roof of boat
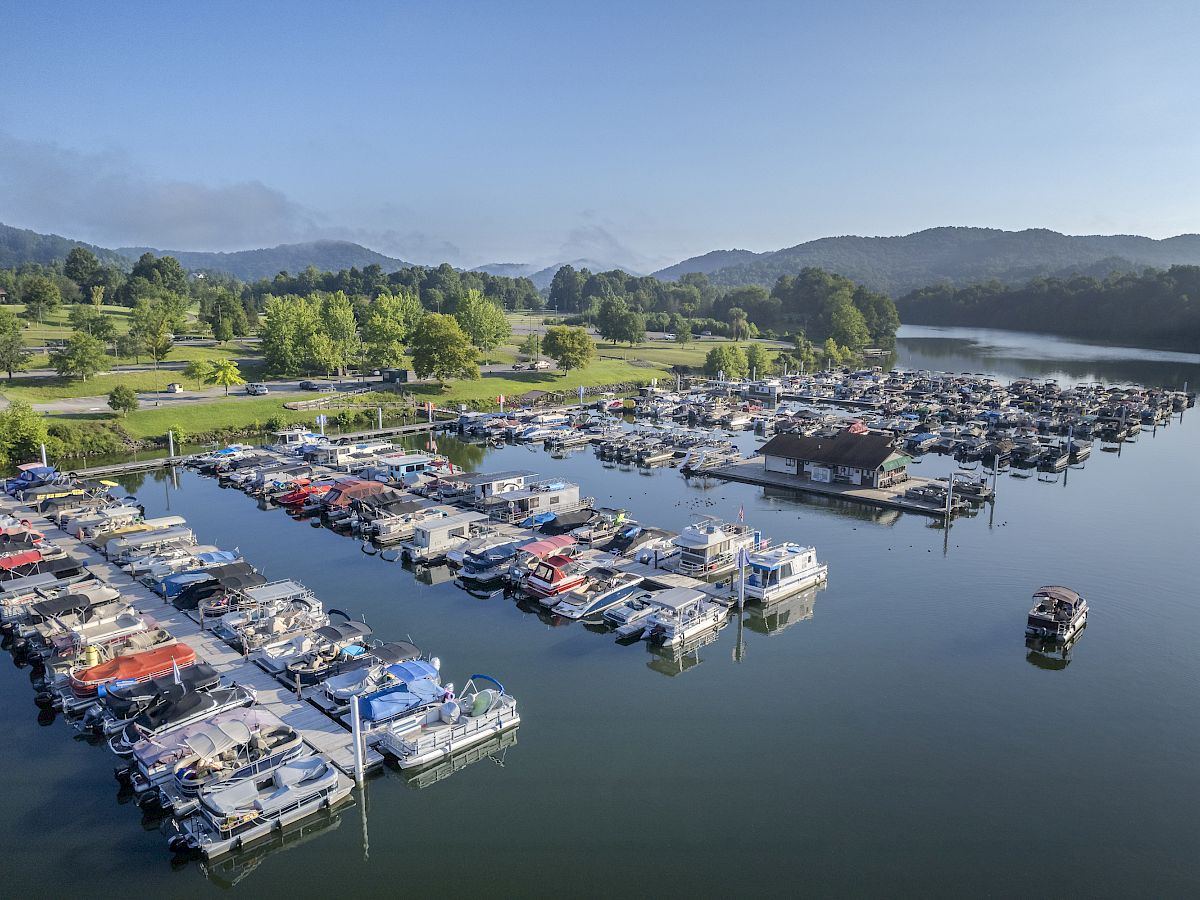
397	652
276	590
346	631
488	477
776	556
454	521
676	598
548	545
1059	593
217	737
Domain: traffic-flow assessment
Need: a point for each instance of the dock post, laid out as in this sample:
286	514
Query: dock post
43	456
299	689
171	444
356	732
379	409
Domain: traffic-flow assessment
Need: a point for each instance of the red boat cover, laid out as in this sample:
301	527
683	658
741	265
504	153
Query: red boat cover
16	560
134	667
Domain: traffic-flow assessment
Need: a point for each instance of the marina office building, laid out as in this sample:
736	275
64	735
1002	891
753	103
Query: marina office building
852	456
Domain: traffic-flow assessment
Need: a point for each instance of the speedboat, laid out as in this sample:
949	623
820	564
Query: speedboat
475	716
629	619
233	813
681	614
1058	613
781	571
555	575
530	555
602	589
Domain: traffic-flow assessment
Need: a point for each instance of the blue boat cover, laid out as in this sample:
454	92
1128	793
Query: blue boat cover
412	670
539	519
217	557
395	701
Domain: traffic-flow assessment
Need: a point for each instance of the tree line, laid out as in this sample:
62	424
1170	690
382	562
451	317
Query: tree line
1156	307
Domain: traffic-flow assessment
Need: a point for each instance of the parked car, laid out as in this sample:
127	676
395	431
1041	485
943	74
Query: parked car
540	364
174	388
256	389
326	388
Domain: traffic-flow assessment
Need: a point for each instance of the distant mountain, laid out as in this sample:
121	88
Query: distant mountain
508	270
20	245
710	262
249	265
960	256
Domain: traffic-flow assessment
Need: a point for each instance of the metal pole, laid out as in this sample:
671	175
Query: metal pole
43	456
171	444
356	732
379	409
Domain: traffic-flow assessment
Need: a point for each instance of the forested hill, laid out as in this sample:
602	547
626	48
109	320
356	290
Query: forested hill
250	265
710	262
956	256
1152	309
20	245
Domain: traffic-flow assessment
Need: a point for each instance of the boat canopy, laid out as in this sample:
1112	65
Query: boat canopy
548	546
214	739
1059	594
412	670
676	598
397	652
394	701
347	631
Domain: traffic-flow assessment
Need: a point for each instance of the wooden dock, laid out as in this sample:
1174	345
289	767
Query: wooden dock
324	734
753	471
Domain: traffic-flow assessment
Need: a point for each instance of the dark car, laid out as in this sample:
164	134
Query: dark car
310	386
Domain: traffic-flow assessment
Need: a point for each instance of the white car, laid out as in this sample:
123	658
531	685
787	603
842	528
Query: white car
257	389
540	364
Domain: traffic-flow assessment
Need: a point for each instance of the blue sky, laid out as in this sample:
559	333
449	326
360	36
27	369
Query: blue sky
638	133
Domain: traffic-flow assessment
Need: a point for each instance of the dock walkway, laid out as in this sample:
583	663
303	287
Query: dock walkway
753	471
324	734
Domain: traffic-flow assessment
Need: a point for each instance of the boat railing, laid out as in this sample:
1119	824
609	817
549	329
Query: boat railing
493	720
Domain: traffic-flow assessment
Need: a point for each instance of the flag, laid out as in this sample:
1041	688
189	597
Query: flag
581	393
741	514
175	672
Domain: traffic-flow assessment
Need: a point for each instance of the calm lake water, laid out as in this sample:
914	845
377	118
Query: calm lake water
891	736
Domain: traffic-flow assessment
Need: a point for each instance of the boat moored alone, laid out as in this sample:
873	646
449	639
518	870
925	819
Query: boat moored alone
1058	614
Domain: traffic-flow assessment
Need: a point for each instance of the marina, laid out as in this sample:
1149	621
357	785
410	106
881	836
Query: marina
805	635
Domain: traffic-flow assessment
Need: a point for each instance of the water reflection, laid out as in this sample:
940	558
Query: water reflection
782	614
683	657
494	748
1049	654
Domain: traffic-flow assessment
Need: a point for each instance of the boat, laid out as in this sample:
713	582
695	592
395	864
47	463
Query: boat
136	667
474	716
1058	613
338	648
395	663
555	575
117	705
602	589
531	554
235	813
709	548
61	665
236	743
681	614
490	564
176	712
629	619
780	571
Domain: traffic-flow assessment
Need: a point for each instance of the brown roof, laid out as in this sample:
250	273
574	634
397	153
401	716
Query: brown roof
859	451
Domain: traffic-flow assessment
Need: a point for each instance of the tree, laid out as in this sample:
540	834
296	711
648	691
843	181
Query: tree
97	295
681	328
848	327
739	324
483	321
153	321
758	360
389	321
571	348
608	318
129	346
90	319
122	399
40	295
13	355
225	372
726	360
630	326
22	433
199	370
340	331
280	333
440	349
82	267
224	313
82	357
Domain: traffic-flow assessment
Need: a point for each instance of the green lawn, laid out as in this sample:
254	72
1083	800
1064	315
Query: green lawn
199	417
514	384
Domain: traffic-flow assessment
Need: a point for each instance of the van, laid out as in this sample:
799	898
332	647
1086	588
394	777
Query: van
256	389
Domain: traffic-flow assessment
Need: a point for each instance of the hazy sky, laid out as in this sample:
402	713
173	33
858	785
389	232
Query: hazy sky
640	133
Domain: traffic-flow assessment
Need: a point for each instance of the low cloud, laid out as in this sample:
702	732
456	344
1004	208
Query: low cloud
104	199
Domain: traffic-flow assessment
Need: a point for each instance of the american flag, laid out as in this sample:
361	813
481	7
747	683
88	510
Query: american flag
742	514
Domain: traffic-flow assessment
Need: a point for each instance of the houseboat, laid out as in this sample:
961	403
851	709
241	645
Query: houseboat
780	571
534	499
709	548
432	538
1058	613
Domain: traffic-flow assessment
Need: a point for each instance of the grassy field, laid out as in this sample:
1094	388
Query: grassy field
56	325
514	384
195	418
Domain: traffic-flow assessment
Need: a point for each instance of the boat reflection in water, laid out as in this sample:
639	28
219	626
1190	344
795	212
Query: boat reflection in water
433	574
493	748
229	870
681	657
775	617
1049	654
